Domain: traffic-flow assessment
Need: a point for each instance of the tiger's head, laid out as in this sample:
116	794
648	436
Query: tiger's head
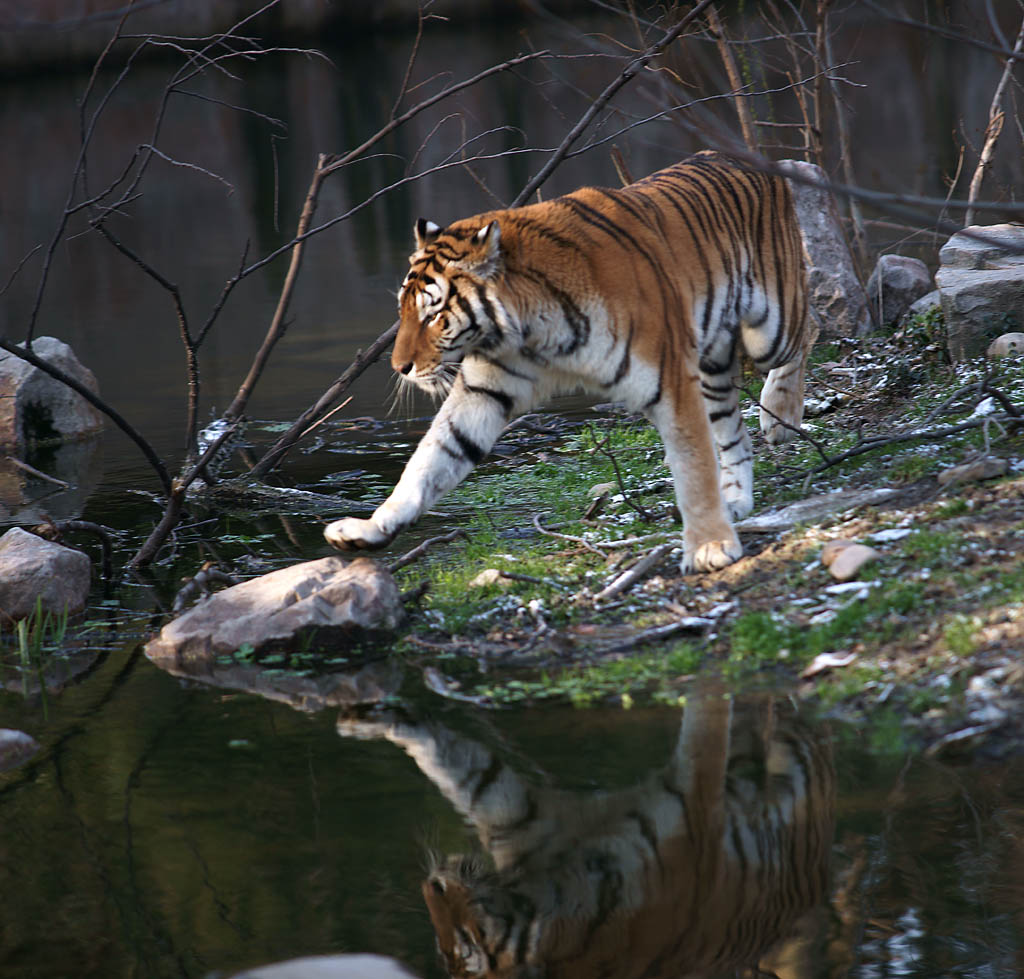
448	301
483	928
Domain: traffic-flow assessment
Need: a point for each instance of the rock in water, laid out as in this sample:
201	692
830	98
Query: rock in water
16	747
330	967
35	406
331	598
34	569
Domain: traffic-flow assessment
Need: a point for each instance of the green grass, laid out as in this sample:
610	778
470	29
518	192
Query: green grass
647	675
760	638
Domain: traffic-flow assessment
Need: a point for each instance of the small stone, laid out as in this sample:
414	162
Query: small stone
833	549
847	563
988	467
16	747
827	661
489	576
1008	345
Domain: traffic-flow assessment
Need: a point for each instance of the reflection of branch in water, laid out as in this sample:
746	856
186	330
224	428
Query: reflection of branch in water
703	866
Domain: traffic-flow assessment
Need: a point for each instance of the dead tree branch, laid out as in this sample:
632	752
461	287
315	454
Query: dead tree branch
628	74
993	129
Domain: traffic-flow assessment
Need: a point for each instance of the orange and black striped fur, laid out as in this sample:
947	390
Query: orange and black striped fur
643	295
701	868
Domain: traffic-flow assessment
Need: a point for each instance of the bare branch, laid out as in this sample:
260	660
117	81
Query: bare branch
628	73
993	129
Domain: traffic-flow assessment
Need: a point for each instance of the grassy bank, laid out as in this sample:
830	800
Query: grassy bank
930	631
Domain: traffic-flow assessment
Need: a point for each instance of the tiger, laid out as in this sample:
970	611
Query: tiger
643	294
709	864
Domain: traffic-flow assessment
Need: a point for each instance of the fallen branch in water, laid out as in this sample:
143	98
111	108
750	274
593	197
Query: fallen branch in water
32	471
199	585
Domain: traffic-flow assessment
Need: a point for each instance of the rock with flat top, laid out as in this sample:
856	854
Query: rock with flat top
33	570
331	600
981	279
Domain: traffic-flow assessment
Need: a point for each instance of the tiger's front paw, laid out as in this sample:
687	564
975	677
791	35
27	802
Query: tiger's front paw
712	555
353	534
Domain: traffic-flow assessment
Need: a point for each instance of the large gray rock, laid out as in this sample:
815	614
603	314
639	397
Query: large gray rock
329	599
897	282
981	280
35	406
34	569
835	291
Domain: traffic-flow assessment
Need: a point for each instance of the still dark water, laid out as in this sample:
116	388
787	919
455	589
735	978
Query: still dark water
167	829
170	830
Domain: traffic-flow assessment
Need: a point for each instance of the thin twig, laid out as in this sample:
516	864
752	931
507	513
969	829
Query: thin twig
631	576
417	552
359	364
628	73
569	537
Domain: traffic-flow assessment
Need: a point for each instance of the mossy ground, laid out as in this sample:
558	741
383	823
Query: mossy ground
933	634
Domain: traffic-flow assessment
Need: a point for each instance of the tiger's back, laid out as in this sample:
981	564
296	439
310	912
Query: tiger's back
642	294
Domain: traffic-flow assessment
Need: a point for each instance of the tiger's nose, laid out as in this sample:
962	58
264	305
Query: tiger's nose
404	368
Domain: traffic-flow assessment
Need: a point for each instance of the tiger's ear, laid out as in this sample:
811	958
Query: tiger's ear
490	237
486	246
426	231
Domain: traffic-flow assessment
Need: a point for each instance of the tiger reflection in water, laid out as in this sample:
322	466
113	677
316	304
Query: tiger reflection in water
696	871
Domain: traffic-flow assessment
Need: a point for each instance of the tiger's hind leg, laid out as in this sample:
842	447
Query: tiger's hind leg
782	398
709	539
735	453
782	401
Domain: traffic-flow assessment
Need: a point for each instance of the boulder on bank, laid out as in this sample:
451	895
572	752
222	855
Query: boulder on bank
35	570
835	291
37	407
331	599
981	279
897	282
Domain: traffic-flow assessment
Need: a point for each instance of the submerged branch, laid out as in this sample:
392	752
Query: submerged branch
314	413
